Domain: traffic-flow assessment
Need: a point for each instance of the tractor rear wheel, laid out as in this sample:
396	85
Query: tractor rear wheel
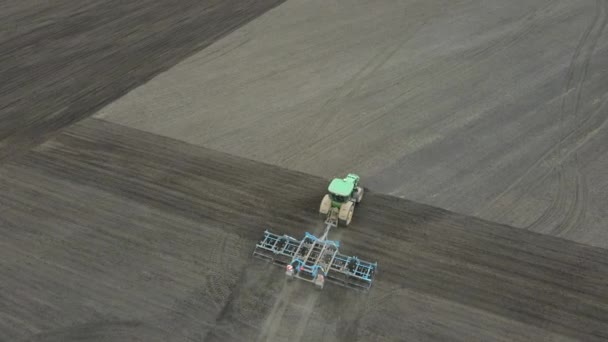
325	205
346	213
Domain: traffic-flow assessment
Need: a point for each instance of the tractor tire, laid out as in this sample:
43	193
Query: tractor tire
325	205
346	213
359	197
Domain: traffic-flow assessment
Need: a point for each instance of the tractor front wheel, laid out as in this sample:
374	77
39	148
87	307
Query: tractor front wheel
346	213
325	205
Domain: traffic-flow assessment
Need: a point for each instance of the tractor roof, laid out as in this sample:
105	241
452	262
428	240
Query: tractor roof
342	187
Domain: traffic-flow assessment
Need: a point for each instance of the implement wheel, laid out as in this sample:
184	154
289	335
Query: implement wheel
346	213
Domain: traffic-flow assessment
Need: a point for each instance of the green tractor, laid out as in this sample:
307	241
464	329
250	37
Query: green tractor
344	194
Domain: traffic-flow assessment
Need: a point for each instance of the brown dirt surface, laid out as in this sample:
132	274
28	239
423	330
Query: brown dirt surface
110	233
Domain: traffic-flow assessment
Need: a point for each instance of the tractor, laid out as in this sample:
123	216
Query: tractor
344	194
317	259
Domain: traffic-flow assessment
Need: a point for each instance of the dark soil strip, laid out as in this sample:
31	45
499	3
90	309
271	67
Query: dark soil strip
109	225
60	61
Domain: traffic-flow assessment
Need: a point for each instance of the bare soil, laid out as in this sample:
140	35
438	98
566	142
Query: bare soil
127	229
110	233
495	109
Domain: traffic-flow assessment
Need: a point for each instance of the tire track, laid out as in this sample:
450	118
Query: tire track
347	92
570	140
578	208
351	87
289	305
322	145
556	204
226	291
575	213
529	23
307	310
316	121
216	290
273	321
249	299
217	281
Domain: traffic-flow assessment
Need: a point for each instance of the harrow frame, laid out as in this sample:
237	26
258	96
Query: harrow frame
315	260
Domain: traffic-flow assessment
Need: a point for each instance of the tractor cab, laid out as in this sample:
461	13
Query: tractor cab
340	190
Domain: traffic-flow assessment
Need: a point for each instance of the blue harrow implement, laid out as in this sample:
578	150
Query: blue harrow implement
316	259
